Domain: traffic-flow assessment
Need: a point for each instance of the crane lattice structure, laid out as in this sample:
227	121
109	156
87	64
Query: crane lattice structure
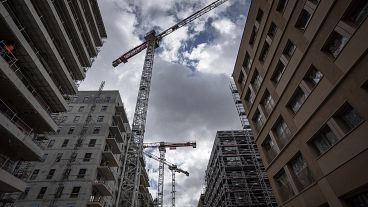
268	196
173	168
161	146
131	179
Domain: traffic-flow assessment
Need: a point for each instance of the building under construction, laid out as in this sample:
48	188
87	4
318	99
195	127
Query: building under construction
232	178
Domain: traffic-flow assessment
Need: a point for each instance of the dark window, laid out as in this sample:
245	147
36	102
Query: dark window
257	80
282	132
85	99
253	35
65	143
359	200
75	192
283	185
24	194
58	130
58	157
269	147
81	173
241	78
103	108
84	130
51	143
348	118
259	120
59	191
357	12
247	63
289	49
249	97
73	156
297	100
267	103
302	176
51	173
324	140
76	119
34	174
92	143
41	193
96	130
279	70
335	44
313	77
66	173
264	52
272	31
81	109
303	20
100	118
71	130
87	157
281	5
259	15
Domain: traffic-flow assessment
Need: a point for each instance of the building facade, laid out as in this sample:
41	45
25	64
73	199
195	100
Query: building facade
46	48
301	74
232	178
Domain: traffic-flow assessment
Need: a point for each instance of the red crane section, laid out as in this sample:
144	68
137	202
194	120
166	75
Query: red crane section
171	145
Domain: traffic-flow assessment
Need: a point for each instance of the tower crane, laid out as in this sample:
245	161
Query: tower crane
131	179
162	149
173	168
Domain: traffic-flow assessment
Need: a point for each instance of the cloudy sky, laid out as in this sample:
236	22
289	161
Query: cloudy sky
190	98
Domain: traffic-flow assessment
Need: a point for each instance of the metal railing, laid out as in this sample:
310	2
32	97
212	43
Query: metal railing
105	183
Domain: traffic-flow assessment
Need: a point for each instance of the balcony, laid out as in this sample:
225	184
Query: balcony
109	157
115	147
116	133
86	7
105	170
103	187
96	201
8	182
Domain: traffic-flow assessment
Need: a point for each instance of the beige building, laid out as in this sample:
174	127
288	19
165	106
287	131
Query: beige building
302	75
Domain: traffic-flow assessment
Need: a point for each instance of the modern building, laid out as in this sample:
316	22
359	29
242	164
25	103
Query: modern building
232	178
301	72
45	48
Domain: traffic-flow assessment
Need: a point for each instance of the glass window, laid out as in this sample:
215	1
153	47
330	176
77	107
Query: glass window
267	103
313	77
96	130
65	143
281	5
71	130
279	70
51	143
51	173
84	130
324	140
357	12
259	15
349	118
87	157
75	192
297	100
100	118
108	99
241	78
34	174
269	148
73	156
272	31
289	49
249	97
335	43
264	52
59	191
92	143
258	119
282	132
81	173
257	80
85	99
81	109
41	193
58	157
103	108
303	177
283	185
253	35
303	20
247	63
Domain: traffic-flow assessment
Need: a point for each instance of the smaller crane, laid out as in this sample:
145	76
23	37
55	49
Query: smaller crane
173	168
162	149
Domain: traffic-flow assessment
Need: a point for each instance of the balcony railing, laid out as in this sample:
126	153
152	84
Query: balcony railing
97	199
16	168
105	183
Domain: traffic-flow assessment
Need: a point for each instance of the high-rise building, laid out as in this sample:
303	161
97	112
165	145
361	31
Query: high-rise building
82	164
301	72
45	50
232	178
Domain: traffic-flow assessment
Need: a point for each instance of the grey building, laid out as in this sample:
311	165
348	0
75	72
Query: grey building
45	49
82	164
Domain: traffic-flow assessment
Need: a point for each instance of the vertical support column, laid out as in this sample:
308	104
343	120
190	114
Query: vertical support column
161	173
173	188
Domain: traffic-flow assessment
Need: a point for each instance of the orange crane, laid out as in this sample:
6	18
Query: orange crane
161	146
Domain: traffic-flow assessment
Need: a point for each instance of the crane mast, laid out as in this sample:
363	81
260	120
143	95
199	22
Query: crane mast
131	178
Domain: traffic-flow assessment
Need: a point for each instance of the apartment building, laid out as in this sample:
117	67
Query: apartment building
302	75
232	178
45	48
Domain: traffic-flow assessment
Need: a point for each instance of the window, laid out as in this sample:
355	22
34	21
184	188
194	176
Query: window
267	103
100	118
357	12
96	130
282	132
71	130
58	130
253	35
92	143
24	194
259	120
73	156
85	99
279	70
41	193
297	100
313	77
301	173
303	20
272	30
247	63
104	108
79	142
324	140
65	143
34	174
269	147
348	118
44	157
84	130
281	6
108	98
359	200
264	52
81	109
75	192
259	15
87	157
249	97
76	119
51	143
241	78
51	173
58	157
289	49
257	80
59	191
70	108
81	173
335	43
283	185
89	118
66	173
